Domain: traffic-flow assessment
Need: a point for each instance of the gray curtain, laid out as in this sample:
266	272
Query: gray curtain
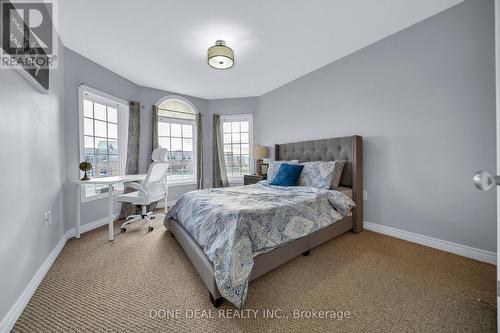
199	151
132	166
219	175
154	126
154	145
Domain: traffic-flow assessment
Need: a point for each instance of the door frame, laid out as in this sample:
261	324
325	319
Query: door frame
497	94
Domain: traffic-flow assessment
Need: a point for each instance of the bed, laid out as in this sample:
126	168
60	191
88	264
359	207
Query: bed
226	266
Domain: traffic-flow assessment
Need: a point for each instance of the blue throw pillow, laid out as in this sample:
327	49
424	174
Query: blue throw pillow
287	175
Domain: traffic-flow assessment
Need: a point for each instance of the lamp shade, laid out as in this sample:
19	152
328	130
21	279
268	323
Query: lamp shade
260	152
220	56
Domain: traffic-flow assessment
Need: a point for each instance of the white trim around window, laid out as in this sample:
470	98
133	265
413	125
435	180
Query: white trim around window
238	180
178	98
173	182
182	180
122	106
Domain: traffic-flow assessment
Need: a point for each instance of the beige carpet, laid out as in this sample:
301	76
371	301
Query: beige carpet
387	285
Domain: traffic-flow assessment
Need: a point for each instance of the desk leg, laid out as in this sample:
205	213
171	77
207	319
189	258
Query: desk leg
78	203
110	212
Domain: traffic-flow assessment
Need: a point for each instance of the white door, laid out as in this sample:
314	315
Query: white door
483	180
497	90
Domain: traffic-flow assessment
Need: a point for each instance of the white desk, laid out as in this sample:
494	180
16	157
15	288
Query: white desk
110	181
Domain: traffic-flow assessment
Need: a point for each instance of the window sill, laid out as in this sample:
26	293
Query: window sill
235	181
177	184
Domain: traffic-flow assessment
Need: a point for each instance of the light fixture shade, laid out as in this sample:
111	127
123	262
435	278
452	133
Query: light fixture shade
260	152
220	56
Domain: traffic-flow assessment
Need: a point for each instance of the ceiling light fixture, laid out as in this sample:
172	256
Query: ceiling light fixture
220	56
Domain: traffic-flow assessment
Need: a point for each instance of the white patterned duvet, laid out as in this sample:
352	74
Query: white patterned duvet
235	224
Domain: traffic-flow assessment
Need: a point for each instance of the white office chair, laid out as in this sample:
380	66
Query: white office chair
153	188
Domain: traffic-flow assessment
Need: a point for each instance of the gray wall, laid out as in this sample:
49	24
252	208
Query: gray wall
149	97
77	70
229	106
424	101
33	166
207	108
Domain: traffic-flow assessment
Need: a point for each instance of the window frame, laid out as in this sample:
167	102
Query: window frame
122	107
187	181
238	180
174	120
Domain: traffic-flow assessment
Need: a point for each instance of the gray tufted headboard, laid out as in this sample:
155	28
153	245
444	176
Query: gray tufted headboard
348	148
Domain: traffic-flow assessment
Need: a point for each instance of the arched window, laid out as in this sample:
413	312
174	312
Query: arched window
177	133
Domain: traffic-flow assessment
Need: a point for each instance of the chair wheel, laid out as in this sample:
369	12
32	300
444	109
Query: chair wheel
150	229
123	229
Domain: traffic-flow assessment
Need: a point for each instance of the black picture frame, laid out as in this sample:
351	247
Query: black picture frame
22	55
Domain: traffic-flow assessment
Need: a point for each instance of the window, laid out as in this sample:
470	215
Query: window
237	136
103	137
177	133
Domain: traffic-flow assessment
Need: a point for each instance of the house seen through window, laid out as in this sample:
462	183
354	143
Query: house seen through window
237	138
102	138
177	133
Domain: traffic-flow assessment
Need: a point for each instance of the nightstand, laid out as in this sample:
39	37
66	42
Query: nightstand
253	179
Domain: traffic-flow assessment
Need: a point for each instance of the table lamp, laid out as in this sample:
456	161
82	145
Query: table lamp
259	152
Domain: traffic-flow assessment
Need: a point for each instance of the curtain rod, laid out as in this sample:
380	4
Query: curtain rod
191	114
142	106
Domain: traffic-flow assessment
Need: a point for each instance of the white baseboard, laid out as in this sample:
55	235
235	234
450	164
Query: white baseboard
15	311
461	250
90	226
11	317
466	251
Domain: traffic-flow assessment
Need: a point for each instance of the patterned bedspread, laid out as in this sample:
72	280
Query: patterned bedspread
235	224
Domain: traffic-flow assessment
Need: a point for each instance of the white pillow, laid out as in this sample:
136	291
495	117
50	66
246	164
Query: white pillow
274	167
317	174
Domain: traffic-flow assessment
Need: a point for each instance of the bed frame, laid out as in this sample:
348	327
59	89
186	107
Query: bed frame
345	148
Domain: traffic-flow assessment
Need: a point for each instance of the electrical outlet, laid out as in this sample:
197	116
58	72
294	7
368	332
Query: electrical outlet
47	217
365	195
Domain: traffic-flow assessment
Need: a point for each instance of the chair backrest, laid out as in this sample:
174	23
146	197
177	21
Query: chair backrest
157	170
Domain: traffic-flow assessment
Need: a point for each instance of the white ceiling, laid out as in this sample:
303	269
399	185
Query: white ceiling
163	43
